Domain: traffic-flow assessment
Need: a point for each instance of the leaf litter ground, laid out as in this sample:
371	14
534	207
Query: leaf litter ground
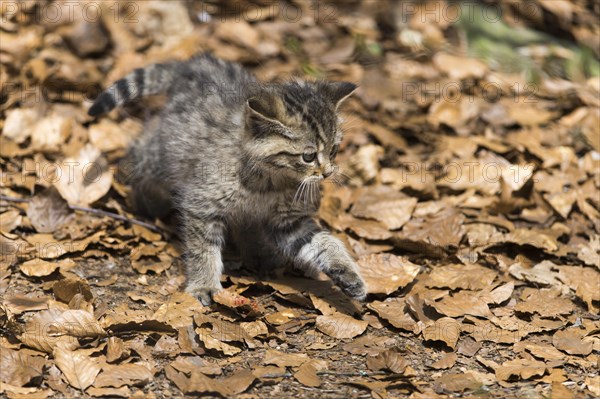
469	197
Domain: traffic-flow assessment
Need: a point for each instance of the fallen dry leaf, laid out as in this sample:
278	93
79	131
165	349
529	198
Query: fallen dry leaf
388	360
52	328
445	329
386	273
88	180
339	325
572	341
78	369
47	211
520	368
19	368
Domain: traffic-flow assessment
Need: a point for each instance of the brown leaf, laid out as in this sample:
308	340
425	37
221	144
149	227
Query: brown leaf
20	368
446	361
179	310
459	68
393	310
40	268
115	349
78	369
199	383
242	305
520	368
387	360
18	304
282	359
340	326
53	327
445	329
370	229
90	179
545	302
462	303
10	220
385	205
434	224
386	273
469	277
47	211
123	392
584	281
307	372
454	382
124	374
64	290
196	364
572	341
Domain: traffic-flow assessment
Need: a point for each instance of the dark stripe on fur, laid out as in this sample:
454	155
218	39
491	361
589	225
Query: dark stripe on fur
104	103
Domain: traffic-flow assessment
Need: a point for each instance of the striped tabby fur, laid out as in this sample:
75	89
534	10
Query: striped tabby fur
238	159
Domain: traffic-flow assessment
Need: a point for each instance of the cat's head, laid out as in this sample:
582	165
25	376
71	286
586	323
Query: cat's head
293	129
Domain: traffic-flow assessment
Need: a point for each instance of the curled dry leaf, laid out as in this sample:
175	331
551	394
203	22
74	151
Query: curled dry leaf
179	310
445	329
40	268
462	303
48	211
19	123
53	327
572	341
385	205
545	302
195	364
64	290
388	360
365	163
520	368
80	370
394	311
18	304
584	281
468	277
457	382
199	383
282	359
386	273
339	325
19	368
242	305
123	374
88	180
446	361
459	67
307	372
10	220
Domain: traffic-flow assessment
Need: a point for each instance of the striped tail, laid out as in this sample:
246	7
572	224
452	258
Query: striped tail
151	80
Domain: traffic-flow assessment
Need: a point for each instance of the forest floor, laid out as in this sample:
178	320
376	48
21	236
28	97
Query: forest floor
472	156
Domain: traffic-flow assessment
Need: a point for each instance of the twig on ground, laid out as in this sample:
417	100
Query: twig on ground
95	212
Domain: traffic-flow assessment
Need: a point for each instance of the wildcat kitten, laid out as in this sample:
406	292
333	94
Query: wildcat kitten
237	157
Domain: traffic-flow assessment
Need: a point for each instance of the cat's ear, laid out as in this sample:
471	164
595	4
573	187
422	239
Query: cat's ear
268	106
337	92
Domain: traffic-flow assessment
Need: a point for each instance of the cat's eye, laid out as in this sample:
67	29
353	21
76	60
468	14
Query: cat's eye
308	157
334	150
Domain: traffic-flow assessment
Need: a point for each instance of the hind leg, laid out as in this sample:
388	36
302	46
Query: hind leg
141	169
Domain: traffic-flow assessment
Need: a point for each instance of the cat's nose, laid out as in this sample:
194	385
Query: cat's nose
327	170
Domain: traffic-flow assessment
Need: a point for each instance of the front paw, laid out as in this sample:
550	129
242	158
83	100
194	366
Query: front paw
203	293
353	285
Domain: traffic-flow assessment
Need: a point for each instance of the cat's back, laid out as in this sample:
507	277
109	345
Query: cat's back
206	81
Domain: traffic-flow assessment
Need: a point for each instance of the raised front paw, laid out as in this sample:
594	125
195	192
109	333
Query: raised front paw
203	293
